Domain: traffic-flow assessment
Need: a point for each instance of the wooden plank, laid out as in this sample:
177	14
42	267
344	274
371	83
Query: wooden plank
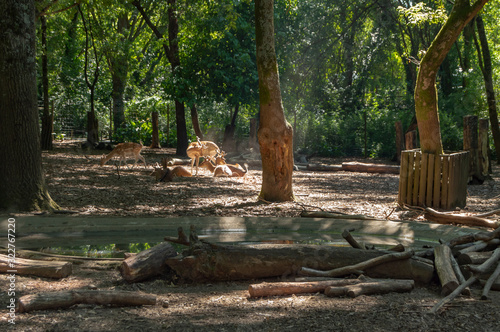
403	177
430	180
463	179
446	180
437	182
454	171
423	179
411	172
416	179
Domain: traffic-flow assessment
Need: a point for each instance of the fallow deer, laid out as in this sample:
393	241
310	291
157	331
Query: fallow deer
219	170
199	149
236	169
125	151
167	175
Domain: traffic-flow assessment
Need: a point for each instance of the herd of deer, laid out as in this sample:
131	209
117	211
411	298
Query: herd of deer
214	159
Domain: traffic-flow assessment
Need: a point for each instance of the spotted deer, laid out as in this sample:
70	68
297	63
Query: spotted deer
199	149
125	151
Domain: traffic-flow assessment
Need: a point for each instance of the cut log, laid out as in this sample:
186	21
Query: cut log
474	257
489	283
444	218
459	275
148	263
47	269
289	288
444	269
206	262
371	288
370	168
483	236
357	268
65	299
324	168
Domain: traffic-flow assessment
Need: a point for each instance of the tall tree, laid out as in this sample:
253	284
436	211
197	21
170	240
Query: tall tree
426	105
275	133
171	47
22	185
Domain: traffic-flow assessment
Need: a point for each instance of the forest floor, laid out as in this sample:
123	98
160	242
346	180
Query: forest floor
77	183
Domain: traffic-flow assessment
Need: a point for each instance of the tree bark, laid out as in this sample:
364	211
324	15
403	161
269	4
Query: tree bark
65	299
426	105
22	185
47	120
488	82
275	133
196	122
46	269
155	141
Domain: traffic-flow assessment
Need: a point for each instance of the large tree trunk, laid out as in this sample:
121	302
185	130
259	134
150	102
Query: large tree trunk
119	71
275	133
426	105
488	82
155	139
22	186
47	125
196	122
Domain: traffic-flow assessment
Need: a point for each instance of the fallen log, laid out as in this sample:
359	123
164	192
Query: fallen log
444	269
47	269
209	262
370	168
148	263
289	288
483	236
459	275
371	288
323	168
489	283
445	218
325	214
357	268
65	299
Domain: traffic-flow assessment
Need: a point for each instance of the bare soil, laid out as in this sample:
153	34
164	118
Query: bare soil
77	183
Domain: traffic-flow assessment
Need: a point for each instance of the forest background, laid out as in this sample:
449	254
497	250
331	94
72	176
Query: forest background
347	71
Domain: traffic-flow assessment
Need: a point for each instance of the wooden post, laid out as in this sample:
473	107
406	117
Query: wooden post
471	145
411	140
484	160
400	140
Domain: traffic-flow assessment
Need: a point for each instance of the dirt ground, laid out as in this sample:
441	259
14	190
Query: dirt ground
77	183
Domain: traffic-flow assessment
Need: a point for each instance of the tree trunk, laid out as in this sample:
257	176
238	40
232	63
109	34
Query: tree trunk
119	70
488	82
22	185
196	122
275	133
228	143
426	105
155	142
47	125
148	263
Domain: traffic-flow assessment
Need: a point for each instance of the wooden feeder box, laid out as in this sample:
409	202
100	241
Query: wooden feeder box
437	181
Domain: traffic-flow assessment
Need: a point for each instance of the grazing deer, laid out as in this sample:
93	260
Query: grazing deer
124	151
199	149
219	170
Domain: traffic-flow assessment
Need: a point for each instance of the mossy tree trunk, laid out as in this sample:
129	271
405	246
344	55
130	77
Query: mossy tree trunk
275	133
22	185
426	105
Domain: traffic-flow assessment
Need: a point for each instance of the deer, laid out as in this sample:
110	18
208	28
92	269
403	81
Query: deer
219	170
168	175
124	151
236	169
199	149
